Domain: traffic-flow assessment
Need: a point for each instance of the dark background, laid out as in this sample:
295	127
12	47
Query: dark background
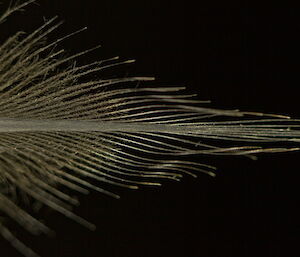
237	56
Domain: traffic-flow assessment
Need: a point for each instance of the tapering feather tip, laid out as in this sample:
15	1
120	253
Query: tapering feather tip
60	130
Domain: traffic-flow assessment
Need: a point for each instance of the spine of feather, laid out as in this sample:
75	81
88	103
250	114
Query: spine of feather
57	127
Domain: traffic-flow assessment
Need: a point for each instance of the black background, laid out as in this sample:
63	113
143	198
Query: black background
238	56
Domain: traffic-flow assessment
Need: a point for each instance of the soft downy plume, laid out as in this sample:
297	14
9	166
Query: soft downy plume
59	130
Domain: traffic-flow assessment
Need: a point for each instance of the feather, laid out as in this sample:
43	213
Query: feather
59	129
